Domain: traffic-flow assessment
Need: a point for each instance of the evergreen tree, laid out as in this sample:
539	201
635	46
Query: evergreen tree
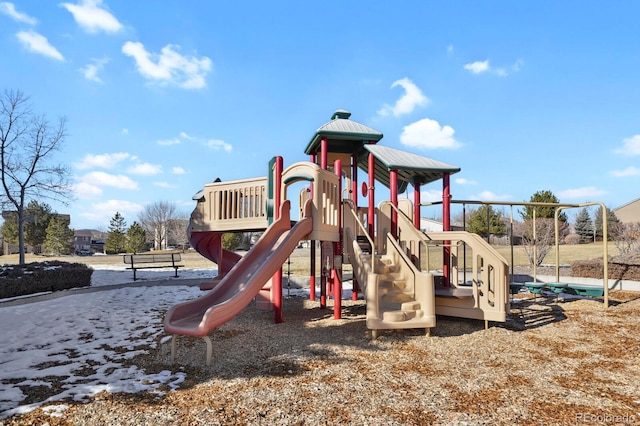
584	226
116	238
231	240
486	219
9	228
612	222
37	218
59	237
136	238
542	212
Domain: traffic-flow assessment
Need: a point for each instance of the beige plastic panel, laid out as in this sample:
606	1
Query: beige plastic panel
232	206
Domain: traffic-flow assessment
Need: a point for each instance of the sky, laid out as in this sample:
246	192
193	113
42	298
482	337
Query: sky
163	97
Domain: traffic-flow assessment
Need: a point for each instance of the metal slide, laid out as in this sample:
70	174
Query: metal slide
243	282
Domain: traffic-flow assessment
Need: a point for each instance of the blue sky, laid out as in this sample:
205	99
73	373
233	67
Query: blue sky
164	96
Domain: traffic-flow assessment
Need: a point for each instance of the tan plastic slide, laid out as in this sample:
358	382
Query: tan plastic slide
243	282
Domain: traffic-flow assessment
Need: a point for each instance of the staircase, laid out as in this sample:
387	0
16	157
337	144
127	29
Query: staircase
398	295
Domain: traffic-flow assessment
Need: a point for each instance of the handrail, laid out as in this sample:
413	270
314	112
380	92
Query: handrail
463	236
363	229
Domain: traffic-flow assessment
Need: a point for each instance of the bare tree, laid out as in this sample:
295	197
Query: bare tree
538	245
626	236
161	220
28	144
177	233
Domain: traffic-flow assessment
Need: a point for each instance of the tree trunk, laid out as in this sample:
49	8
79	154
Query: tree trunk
21	249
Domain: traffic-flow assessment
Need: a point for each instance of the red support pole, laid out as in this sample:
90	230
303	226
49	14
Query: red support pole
324	147
354	180
337	249
416	205
446	226
393	182
337	294
276	280
371	205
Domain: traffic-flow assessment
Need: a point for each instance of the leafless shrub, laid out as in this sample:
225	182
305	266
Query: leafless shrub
538	245
626	237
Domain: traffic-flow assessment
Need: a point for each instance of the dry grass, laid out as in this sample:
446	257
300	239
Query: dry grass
568	253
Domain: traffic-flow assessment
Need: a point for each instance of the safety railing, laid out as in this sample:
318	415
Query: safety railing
231	206
354	228
488	269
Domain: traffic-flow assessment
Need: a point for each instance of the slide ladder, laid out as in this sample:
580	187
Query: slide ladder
397	293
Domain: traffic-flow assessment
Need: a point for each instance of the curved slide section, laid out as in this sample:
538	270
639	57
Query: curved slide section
238	287
209	244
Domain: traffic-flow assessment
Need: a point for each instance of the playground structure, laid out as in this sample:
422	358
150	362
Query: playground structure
406	276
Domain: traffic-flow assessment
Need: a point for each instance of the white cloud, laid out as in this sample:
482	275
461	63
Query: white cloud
9	9
146	169
217	144
584	193
450	49
105	161
125	131
630	146
477	67
178	171
168	142
430	196
109	208
169	67
164	185
463	181
412	98
85	190
92	18
90	71
38	43
480	67
183	135
106	179
629	171
427	133
487	195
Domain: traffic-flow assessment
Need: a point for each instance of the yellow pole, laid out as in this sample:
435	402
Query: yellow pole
535	249
557	215
605	261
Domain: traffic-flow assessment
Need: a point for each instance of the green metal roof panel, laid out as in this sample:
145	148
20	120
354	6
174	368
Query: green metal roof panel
412	168
343	135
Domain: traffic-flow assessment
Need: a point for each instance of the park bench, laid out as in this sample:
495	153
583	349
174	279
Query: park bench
148	261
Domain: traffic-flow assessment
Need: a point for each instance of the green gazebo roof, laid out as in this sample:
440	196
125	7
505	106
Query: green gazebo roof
343	135
412	168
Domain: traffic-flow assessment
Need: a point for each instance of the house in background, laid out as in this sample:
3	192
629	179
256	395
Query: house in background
628	213
89	239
